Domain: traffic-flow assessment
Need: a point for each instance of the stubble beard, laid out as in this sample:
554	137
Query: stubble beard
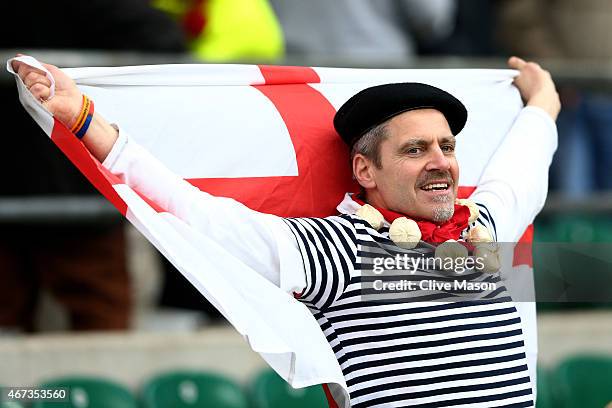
445	210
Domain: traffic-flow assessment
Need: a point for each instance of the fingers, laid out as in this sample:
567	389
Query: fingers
49	66
40	92
23	70
516	63
16	64
521	64
38	84
34	79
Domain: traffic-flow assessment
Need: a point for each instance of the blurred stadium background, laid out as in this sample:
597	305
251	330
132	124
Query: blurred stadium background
86	301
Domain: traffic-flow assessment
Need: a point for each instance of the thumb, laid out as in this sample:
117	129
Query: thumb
516	62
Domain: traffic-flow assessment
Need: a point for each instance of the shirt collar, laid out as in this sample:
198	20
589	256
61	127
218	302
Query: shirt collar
349	206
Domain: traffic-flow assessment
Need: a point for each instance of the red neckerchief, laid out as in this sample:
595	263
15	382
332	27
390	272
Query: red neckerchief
432	232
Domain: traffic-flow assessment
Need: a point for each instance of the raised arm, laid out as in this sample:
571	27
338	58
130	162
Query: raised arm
65	105
515	183
261	241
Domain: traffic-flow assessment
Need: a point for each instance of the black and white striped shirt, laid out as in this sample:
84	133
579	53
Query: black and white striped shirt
433	349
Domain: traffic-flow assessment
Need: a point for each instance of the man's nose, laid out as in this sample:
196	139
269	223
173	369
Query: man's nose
437	160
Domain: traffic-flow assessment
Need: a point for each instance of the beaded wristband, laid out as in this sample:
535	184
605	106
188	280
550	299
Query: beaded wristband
84	119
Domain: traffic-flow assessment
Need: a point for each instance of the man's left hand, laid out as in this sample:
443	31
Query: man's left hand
536	86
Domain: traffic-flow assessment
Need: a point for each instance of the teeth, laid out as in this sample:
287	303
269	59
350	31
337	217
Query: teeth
442	186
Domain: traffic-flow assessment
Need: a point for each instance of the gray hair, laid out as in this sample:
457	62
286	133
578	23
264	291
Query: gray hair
369	144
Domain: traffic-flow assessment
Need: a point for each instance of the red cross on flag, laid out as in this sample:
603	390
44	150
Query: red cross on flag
263	135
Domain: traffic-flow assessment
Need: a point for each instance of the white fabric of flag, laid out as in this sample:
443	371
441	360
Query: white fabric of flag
263	136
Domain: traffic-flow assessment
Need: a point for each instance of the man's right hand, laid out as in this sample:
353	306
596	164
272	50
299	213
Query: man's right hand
65	105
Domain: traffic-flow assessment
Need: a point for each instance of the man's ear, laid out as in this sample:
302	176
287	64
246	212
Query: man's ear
363	170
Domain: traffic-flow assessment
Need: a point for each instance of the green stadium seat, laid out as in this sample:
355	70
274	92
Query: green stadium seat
189	389
544	256
90	392
572	256
584	381
271	391
10	404
577	228
603	229
545	397
574	228
543	231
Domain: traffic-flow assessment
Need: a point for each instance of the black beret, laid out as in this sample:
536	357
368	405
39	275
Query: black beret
373	106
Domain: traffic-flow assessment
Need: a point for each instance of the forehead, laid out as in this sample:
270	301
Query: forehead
421	123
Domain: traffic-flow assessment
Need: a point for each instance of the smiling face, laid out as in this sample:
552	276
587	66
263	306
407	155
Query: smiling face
418	172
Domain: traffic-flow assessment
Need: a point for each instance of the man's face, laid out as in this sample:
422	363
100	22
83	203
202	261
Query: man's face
419	172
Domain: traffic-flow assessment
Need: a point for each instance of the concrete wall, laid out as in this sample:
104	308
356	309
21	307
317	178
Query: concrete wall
131	358
127	358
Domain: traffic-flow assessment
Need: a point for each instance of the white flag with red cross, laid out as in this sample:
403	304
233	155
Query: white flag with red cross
263	135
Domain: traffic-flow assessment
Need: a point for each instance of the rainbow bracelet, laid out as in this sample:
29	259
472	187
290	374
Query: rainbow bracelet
84	119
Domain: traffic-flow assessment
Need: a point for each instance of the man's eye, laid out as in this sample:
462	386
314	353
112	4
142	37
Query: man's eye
413	150
448	148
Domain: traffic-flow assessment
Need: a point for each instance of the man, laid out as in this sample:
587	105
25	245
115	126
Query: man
403	139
